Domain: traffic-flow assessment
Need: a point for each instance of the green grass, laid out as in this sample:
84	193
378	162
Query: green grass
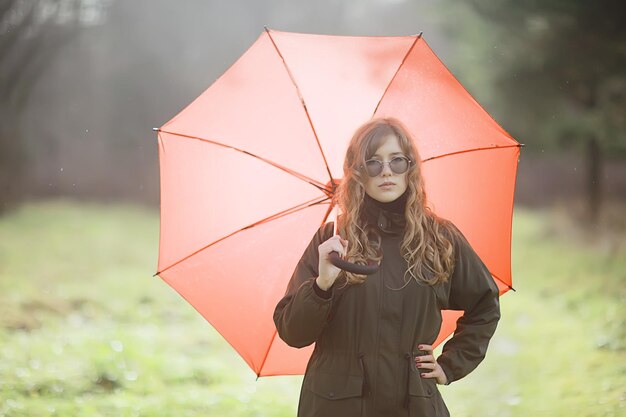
86	330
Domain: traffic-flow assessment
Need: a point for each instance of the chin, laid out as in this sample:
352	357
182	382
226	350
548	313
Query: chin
386	197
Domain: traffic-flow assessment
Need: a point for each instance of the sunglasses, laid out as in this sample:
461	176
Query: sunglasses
397	165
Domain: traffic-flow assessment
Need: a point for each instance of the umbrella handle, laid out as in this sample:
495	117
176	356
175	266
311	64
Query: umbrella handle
369	269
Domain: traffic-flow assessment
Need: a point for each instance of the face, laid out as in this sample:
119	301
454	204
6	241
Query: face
387	186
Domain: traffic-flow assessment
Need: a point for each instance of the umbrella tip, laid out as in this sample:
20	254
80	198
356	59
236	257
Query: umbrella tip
522	144
156	129
419	35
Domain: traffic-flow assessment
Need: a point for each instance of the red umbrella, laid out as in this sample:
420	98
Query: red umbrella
248	172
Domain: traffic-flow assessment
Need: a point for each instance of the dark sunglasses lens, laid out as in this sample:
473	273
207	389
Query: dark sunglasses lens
373	167
399	165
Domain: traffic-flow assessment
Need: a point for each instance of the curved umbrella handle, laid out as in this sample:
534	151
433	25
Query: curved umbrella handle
369	269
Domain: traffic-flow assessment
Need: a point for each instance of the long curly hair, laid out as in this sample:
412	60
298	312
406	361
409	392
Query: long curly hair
427	244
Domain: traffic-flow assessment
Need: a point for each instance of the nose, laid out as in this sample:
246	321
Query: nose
386	170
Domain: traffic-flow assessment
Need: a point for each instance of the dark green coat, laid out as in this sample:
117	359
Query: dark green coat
367	334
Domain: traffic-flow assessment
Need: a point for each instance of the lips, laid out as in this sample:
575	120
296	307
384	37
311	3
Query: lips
386	184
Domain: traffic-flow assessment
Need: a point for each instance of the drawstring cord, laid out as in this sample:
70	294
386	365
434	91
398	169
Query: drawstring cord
407	397
366	385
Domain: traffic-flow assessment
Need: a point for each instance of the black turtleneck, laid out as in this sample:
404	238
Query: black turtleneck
396	206
388	217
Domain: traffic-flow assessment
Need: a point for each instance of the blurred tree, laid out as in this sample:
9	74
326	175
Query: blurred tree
31	33
561	79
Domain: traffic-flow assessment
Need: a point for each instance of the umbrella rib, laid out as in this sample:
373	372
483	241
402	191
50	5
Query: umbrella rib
160	141
419	36
296	174
473	99
489	148
267	353
498	278
306	110
291	210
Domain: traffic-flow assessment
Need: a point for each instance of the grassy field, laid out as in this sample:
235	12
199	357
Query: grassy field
86	330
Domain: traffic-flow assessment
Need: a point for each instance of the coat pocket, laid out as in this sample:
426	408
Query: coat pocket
421	398
336	387
419	386
332	395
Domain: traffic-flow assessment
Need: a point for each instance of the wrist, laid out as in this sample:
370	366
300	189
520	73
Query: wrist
445	374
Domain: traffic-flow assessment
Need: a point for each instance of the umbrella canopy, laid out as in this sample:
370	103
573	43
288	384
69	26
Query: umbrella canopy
248	171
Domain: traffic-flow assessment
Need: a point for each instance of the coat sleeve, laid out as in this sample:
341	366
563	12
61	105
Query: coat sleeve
473	290
300	316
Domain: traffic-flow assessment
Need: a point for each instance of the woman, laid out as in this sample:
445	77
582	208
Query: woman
373	335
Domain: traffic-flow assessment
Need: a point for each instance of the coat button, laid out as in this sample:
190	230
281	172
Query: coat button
331	394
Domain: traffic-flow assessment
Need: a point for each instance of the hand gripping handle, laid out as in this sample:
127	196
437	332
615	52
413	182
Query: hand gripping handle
369	269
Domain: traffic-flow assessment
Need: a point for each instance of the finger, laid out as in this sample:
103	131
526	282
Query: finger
436	373
344	246
334	242
426	348
431	374
425	358
336	247
339	242
426	366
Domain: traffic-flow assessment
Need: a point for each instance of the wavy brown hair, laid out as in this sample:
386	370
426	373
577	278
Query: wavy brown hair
427	244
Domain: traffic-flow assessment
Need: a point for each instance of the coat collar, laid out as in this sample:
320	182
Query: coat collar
388	217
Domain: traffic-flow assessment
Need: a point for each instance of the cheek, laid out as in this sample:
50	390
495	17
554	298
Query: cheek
372	191
405	183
